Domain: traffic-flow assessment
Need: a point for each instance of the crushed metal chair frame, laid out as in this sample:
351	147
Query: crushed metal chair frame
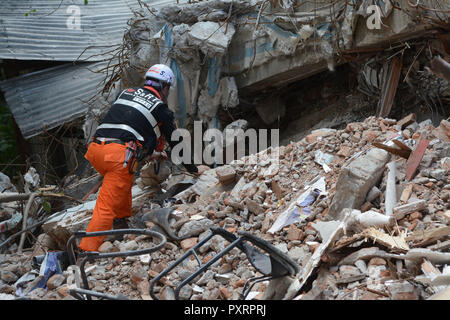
85	293
274	265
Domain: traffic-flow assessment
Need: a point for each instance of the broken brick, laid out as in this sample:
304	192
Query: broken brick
415	215
294	233
377	262
226	174
225	293
186	244
366	206
345	151
239	283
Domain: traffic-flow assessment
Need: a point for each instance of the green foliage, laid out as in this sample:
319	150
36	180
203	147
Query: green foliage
46	205
34	10
30	12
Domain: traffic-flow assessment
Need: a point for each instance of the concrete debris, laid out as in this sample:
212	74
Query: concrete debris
211	37
32	179
5	184
360	203
362	220
355	181
366	250
261	45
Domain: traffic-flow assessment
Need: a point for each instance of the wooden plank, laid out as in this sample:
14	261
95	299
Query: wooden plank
403	210
406	121
416	156
345	241
398	152
423	235
406	193
395	243
390	88
440	246
401	145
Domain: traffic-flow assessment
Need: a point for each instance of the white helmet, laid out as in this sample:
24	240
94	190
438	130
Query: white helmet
162	73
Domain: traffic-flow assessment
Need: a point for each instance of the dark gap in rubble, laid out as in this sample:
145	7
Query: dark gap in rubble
328	99
351	93
13	68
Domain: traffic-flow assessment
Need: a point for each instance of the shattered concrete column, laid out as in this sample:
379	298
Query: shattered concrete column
213	40
355	181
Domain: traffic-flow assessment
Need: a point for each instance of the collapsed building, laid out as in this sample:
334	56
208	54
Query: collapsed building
227	54
357	193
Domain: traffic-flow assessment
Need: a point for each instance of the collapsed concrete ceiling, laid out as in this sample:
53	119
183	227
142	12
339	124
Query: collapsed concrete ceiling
223	50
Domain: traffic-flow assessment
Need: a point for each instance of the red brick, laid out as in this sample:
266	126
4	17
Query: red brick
366	207
186	244
225	293
345	151
232	229
429	184
206	259
415	215
369	135
377	262
63	291
310	138
405	296
239	283
294	233
414	224
385	274
226	174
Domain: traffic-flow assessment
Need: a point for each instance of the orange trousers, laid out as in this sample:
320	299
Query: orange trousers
114	199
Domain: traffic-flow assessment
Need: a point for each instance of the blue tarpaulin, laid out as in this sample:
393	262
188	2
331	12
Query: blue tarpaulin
50	266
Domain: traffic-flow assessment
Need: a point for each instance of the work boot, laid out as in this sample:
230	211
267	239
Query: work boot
120	224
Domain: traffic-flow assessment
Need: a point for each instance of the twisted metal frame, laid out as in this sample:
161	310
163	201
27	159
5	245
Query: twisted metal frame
274	265
85	293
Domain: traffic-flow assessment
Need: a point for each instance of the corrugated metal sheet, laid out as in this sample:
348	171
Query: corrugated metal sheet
48	98
44	34
51	97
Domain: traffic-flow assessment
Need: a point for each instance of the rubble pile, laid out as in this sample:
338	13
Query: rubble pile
363	211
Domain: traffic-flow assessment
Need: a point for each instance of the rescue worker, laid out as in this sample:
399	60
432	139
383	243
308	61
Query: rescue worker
140	116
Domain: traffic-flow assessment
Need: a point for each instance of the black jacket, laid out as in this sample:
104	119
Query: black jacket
139	114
